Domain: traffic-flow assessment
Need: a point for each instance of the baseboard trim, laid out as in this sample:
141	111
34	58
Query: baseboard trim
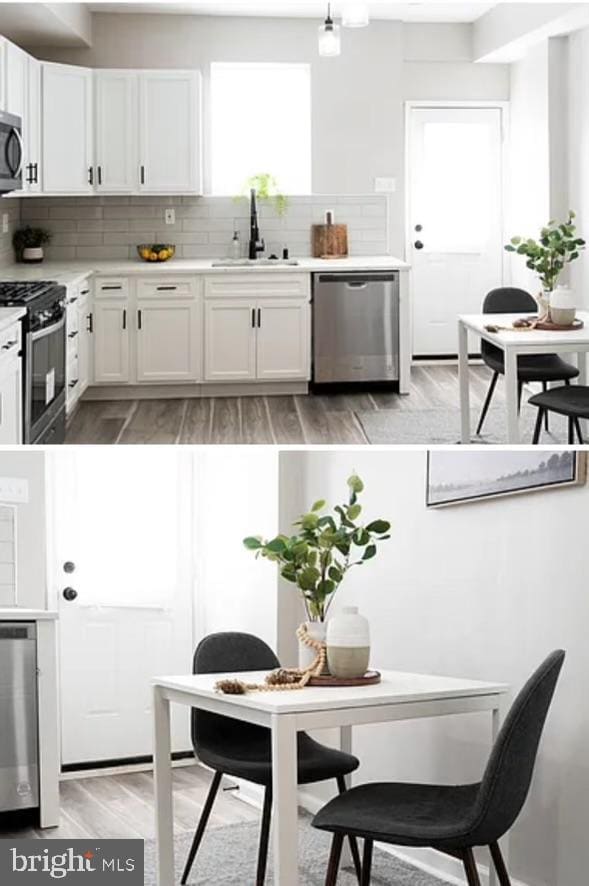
188	391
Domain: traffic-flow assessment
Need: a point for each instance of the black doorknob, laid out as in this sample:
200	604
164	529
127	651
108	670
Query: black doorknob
70	594
68	566
419	228
418	244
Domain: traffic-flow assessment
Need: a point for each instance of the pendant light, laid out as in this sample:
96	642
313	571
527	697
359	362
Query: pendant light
330	41
355	14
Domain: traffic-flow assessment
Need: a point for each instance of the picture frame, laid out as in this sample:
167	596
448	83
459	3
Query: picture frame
466	476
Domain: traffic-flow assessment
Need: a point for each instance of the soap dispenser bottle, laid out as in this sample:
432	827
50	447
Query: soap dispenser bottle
235	248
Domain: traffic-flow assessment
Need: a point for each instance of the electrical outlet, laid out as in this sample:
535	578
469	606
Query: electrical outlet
14	490
170	216
385	185
4	222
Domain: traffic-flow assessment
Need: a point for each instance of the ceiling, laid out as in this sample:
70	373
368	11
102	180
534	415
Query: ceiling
432	11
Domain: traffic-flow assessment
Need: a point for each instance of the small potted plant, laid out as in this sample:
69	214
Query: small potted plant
317	557
28	243
557	247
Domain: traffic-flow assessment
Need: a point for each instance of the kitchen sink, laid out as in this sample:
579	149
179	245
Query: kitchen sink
255	263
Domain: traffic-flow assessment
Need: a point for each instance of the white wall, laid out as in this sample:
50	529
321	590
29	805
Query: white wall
31	529
578	92
484	591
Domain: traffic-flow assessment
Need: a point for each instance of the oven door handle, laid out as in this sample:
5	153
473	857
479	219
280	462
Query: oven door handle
42	333
14	133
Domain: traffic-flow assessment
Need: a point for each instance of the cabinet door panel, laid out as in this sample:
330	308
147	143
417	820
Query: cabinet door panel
169	127
230	341
116	125
168	341
111	341
32	130
10	405
67	128
283	339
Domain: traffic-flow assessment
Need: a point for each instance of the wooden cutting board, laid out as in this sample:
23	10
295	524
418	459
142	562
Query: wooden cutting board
330	241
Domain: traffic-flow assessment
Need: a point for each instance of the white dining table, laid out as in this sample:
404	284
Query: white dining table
399	696
514	343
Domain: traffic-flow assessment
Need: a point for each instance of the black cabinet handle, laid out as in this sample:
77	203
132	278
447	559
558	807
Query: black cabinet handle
143	175
73	334
29	178
74	383
36	173
253	318
110	288
90	326
167	288
90	175
84	292
259	318
124	318
73	300
99	175
139	319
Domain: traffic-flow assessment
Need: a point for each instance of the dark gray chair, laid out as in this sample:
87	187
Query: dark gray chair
451	819
542	368
572	402
243	750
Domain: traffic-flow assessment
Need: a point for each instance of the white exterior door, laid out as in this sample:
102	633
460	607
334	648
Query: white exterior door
230	340
169	131
125	522
116	127
455	219
111	341
67	129
283	339
168	341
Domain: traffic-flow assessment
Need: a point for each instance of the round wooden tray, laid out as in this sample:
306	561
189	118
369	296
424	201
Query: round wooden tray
547	326
370	678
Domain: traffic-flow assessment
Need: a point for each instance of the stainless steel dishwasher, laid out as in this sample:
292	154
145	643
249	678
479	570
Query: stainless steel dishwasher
19	752
356	327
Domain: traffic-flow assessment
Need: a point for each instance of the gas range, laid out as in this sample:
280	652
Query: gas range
16	292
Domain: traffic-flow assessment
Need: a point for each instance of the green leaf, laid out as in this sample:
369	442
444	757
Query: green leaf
253	543
361	538
335	574
319	505
309	521
378	526
369	553
276	546
354	512
355	483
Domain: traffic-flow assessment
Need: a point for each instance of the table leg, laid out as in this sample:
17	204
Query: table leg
511	395
345	743
162	772
582	380
464	382
284	783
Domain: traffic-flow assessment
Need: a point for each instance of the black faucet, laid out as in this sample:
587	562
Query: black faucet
257	244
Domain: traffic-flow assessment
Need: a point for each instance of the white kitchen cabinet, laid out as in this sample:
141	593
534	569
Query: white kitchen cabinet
117	164
16	79
10	386
168	345
85	327
170	159
67	129
78	344
283	340
32	169
230	340
111	341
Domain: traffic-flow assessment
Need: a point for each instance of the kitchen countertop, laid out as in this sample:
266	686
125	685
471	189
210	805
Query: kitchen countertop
8	316
15	613
76	271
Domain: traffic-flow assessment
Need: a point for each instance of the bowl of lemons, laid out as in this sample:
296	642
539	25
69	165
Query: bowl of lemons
156	252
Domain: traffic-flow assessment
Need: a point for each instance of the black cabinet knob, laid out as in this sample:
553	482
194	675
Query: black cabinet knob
70	594
418	244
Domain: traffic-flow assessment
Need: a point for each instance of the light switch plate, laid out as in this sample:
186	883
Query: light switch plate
14	490
383	185
170	216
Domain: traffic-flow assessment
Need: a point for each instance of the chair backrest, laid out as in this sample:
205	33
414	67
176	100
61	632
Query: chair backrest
508	775
505	300
233	653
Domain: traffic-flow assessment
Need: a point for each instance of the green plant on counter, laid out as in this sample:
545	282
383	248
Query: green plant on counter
30	238
325	547
557	247
266	188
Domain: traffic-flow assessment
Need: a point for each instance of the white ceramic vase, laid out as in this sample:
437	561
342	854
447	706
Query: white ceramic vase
563	309
307	655
348	644
32	254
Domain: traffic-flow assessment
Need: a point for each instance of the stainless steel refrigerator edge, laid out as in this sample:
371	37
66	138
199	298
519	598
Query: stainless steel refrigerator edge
19	744
356	327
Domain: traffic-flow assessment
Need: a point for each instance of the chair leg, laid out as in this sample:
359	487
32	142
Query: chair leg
538	428
487	403
546	415
571	431
499	865
367	863
264	838
204	818
579	431
472	875
520	390
341	786
334	860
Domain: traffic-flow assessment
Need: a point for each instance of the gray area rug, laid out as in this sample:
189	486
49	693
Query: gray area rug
227	857
442	427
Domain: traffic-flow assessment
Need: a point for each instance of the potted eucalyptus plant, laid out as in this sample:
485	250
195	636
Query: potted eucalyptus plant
28	243
558	246
316	558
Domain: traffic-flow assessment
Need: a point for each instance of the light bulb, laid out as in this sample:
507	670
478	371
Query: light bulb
355	15
330	41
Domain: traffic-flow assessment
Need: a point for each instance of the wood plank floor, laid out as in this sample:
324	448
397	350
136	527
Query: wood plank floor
313	419
121	806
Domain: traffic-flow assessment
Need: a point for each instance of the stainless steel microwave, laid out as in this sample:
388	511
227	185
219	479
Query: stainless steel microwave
11	153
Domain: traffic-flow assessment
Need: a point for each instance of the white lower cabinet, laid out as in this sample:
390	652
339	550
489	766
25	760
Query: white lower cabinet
230	340
10	386
283	339
78	343
168	343
111	341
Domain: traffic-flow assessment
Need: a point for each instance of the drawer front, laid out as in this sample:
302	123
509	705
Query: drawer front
162	288
112	287
10	345
256	285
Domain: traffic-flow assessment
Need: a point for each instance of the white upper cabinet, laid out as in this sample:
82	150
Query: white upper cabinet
170	132
32	181
67	129
16	80
117	168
